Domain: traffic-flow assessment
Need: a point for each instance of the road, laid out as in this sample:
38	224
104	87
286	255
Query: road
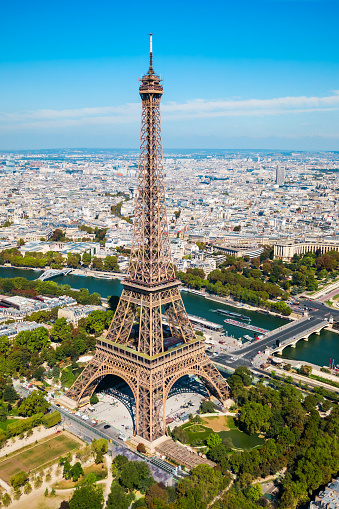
245	355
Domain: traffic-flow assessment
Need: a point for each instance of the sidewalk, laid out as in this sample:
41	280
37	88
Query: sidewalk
16	443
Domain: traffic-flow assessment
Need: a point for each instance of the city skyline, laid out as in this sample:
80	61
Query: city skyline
250	77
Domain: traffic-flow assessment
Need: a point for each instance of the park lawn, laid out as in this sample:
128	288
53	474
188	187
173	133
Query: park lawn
37	455
219	422
3	425
239	439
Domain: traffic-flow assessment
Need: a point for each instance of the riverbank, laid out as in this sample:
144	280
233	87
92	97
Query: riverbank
98	275
238	305
75	272
316	370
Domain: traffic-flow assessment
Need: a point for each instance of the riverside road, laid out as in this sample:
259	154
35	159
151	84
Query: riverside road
318	313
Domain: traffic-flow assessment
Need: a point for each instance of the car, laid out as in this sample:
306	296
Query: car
107	426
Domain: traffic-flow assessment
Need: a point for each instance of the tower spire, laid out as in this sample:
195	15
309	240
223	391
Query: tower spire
150	71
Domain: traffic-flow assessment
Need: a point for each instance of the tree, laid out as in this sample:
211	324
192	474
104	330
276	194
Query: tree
245	375
219	452
87	496
305	370
118	463
18	479
118	498
111	263
60	330
213	440
10	394
73	260
100	447
6	500
97	264
200	487
254	492
4	345
256	273
67	472
34	340
97	321
180	434
141	448
27	488
52	419
207	407
254	417
38	373
154	493
94	399
58	235
136	475
3	414
86	259
76	471
33	404
310	402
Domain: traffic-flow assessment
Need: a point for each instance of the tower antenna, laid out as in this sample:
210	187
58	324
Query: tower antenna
150	54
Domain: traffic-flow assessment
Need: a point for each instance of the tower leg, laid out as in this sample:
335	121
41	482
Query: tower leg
150	421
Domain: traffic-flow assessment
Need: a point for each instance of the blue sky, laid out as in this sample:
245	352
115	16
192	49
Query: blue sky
237	74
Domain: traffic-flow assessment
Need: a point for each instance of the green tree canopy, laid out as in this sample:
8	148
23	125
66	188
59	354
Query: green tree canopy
213	440
34	340
118	498
61	330
136	475
111	263
87	496
34	403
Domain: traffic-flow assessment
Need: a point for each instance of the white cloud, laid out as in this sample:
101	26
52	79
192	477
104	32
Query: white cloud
198	108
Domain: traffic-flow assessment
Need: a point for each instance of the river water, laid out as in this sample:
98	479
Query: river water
318	349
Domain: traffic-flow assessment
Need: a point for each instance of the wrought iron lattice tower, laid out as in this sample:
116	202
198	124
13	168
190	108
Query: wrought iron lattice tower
148	355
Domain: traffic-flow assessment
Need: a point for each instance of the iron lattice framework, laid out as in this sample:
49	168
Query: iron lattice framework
138	348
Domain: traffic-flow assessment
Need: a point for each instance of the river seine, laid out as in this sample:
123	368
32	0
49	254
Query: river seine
318	349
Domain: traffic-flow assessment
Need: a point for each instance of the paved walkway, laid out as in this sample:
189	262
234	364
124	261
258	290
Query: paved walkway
4	485
304	379
109	479
16	443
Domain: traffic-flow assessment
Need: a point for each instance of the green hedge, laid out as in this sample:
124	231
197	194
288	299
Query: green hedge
22	425
52	419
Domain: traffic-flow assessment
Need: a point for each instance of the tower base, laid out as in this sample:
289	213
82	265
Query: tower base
149	378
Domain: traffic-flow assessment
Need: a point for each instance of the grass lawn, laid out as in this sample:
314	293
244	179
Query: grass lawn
3	425
36	455
239	439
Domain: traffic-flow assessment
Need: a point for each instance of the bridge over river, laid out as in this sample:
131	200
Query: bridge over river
275	341
51	273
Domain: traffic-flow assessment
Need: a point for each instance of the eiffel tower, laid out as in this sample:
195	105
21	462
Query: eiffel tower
148	356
